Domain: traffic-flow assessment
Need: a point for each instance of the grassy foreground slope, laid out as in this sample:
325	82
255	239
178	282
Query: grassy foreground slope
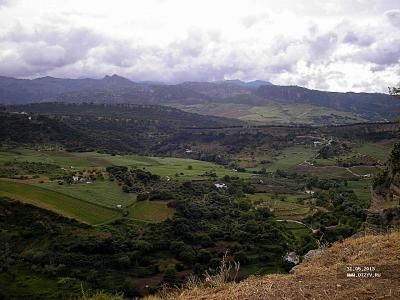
60	203
318	277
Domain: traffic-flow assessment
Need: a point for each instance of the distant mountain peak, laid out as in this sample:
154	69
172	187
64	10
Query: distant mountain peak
116	78
249	84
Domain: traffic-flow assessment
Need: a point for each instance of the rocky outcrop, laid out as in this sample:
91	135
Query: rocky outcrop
384	211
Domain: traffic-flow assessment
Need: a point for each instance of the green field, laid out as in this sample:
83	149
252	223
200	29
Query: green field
60	203
380	151
103	192
298	113
362	189
163	166
96	202
274	112
286	209
150	211
290	157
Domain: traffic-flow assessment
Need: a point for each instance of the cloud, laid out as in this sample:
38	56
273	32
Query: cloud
45	48
393	16
362	40
321	46
316	44
383	54
252	20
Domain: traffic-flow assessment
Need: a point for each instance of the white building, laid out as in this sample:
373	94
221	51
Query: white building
220	185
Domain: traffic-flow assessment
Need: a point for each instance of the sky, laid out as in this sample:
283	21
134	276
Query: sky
335	45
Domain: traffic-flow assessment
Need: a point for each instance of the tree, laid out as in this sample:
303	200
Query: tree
5	258
394	91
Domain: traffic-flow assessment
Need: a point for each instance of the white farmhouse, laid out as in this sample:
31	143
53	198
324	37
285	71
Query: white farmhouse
220	185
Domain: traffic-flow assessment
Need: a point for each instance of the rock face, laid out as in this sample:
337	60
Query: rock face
312	253
384	211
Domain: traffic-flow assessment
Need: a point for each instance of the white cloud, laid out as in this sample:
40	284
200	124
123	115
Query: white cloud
335	45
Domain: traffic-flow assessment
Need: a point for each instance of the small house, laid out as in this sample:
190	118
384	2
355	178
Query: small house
220	185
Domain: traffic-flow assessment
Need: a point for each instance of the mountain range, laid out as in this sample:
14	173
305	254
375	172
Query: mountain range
255	101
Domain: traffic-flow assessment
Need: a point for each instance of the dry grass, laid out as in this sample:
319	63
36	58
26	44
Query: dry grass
318	278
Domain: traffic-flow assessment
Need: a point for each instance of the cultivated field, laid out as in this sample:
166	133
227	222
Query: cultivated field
274	112
96	202
60	203
283	206
175	168
101	192
150	211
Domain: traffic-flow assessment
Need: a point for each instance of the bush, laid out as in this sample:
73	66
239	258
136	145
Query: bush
130	289
241	257
203	256
171	276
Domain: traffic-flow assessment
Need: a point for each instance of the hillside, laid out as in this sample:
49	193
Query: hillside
319	278
256	101
129	128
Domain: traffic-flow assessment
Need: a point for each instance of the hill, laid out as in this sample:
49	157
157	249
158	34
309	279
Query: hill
129	128
256	100
323	276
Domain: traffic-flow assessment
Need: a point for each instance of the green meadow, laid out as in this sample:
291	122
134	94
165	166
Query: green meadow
101	192
96	202
150	211
175	168
60	203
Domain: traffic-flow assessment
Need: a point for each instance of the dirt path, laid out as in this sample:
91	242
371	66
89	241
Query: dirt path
352	173
297	222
